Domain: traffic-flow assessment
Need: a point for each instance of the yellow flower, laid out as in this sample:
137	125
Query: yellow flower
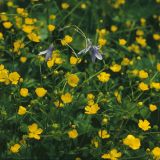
125	62
24	92
66	40
41	92
7	25
51	27
90	96
158	67
1	36
15	148
102	42
114	28
58	104
83	6
122	42
34	37
66	98
139	33
118	96
143	74
73	134
52	16
22	110
95	142
74	60
152	107
72	80
27	28
156	37
65	5
141	41
132	142
4	75
103	134
155	85
23	59
34	131
103	77
142	86
115	68
144	125
14	77
29	21
93	109
18	44
112	155
156	153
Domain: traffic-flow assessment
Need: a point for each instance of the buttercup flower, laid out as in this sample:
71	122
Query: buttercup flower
93	109
22	110
66	98
34	131
156	153
103	134
152	107
144	125
72	80
115	68
14	77
142	86
15	148
73	134
41	92
103	77
112	155
24	92
132	142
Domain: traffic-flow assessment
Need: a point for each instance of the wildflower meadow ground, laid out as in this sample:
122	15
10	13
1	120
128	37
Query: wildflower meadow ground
79	79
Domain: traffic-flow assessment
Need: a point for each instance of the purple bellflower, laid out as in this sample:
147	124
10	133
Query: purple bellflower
94	51
47	52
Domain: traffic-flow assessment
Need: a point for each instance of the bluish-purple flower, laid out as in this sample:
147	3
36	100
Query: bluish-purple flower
47	52
94	51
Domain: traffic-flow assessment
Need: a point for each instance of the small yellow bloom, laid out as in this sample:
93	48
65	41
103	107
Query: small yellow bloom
65	5
58	104
93	109
102	42
112	155
66	40
73	134
83	6
7	25
142	86
23	59
27	28
158	67
24	92
29	21
74	60
103	134
141	41
122	42
156	153
34	131
103	77
143	74
33	37
51	27
152	107
115	68
114	28
66	98
144	125
72	80
125	62
22	110
1	36
15	148
41	92
156	37
90	96
14	77
132	142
